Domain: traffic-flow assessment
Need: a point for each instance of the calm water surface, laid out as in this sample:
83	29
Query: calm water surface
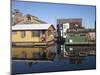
53	58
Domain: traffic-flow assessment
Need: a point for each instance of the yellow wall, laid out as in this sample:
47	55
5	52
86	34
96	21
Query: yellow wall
17	52
28	37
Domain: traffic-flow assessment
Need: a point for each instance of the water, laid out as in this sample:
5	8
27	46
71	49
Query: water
53	58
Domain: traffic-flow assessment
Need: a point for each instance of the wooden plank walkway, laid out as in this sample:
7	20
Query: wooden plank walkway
29	44
81	43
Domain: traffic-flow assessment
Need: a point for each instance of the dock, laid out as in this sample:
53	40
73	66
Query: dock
81	44
32	44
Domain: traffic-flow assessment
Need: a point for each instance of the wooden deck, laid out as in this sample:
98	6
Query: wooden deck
81	43
31	44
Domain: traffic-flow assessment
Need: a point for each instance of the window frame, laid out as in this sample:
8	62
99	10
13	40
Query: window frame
35	33
23	34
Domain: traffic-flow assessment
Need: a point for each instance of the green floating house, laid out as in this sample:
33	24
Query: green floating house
74	33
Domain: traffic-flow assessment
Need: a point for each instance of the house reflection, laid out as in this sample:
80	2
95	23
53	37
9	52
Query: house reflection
30	64
24	55
73	54
79	50
35	53
76	54
76	60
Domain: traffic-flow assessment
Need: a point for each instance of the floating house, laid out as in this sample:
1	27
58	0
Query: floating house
73	31
65	24
29	34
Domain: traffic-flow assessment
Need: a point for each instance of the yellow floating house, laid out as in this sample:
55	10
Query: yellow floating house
27	34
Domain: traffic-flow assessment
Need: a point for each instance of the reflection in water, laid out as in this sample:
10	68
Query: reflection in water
75	60
80	50
76	54
47	53
30	63
38	59
35	53
24	55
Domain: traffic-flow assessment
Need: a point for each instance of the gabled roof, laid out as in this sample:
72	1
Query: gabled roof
31	26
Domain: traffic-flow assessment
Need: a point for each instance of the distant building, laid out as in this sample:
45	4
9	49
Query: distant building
73	22
36	33
91	34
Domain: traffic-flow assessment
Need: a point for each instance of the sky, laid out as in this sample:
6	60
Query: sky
50	12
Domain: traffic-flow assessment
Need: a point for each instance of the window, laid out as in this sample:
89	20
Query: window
72	35
35	33
76	25
24	54
43	32
14	32
28	17
82	34
49	32
60	27
70	40
64	26
22	34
